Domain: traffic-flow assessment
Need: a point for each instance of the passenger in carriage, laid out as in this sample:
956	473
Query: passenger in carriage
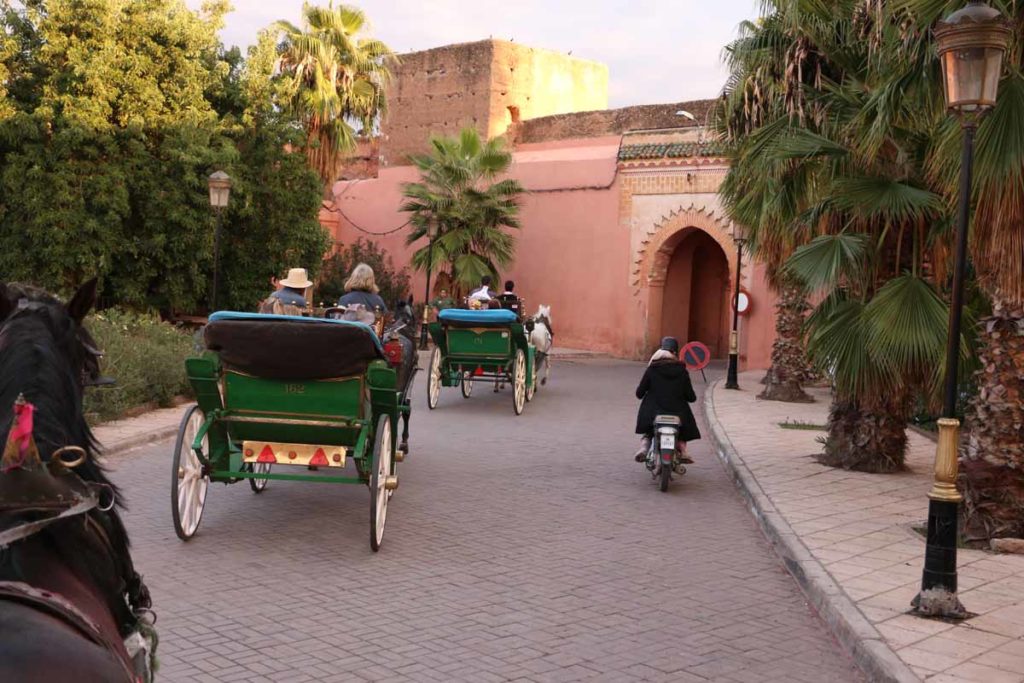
483	293
290	296
361	288
510	300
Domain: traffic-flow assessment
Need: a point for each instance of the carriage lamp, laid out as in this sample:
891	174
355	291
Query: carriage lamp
739	235
219	183
970	43
431	236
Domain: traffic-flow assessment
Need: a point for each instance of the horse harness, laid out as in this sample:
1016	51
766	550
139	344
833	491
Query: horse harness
33	496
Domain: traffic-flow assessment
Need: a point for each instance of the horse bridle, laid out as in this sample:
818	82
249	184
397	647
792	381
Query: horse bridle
26	305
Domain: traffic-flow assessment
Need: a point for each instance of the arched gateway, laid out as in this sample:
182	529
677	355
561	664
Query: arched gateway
685	269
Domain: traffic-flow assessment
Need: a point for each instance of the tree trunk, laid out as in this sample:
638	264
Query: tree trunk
991	476
789	360
866	440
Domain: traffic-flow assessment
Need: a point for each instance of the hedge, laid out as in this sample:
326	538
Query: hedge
144	355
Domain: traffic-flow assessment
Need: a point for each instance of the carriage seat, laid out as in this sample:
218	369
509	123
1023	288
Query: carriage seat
291	347
459	317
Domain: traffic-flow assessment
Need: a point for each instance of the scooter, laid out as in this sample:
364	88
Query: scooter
664	457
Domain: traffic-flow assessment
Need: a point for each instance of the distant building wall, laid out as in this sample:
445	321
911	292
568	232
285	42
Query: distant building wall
601	224
489	85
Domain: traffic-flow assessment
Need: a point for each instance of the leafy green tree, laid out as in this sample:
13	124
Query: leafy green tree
460	195
334	78
121	111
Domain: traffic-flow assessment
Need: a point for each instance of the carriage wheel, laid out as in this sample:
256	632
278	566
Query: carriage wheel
467	384
434	381
519	381
259	485
531	390
188	483
379	495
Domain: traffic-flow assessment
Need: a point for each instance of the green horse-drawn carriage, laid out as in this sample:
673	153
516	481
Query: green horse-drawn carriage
481	346
282	392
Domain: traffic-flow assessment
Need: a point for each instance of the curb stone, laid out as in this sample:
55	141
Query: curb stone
143	438
850	627
119	447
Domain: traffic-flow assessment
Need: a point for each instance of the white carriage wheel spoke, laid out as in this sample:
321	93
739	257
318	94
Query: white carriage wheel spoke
383	470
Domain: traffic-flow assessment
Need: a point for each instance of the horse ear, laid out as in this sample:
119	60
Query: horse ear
83	301
6	305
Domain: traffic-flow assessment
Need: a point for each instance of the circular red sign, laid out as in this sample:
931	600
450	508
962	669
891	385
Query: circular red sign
695	356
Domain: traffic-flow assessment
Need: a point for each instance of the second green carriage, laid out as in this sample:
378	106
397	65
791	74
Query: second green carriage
279	394
481	346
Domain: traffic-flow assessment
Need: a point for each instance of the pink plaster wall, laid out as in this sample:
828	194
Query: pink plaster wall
572	251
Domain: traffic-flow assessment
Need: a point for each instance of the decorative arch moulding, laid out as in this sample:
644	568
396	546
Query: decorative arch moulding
646	268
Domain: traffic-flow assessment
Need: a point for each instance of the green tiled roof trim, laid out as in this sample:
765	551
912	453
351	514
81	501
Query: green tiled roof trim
674	150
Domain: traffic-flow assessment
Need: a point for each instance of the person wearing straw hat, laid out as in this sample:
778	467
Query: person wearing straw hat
290	299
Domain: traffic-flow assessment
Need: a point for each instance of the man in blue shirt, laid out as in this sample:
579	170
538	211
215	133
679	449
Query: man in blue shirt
291	298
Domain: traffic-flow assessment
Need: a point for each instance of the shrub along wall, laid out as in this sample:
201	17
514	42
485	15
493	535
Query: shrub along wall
145	356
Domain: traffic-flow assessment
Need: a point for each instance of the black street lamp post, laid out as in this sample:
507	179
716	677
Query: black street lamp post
739	235
431	234
971	43
220	190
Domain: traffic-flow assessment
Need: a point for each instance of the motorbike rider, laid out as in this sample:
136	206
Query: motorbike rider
665	389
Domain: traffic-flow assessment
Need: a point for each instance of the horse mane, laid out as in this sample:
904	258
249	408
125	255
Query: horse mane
41	356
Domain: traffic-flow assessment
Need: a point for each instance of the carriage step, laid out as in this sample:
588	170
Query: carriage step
293	454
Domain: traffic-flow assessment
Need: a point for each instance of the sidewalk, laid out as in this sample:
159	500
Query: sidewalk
847	537
121	435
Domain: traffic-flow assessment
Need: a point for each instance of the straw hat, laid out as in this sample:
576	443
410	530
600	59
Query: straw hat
297	279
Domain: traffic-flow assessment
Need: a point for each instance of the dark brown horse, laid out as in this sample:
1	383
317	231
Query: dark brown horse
69	593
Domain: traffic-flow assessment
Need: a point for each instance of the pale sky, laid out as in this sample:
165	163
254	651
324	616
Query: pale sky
656	50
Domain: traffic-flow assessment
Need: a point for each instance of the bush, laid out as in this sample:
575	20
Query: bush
393	284
145	356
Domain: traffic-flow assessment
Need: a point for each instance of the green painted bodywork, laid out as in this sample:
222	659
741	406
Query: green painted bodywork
490	350
329	412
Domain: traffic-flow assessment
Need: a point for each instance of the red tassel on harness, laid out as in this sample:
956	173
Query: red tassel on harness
20	445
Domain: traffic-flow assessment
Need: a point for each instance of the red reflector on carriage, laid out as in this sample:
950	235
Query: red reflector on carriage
319	458
393	352
267	455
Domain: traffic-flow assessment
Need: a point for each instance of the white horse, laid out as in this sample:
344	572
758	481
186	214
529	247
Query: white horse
541	338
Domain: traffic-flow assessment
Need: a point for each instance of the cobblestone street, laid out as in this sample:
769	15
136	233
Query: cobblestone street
524	548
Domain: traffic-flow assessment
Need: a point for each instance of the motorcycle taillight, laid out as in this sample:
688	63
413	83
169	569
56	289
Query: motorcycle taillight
393	352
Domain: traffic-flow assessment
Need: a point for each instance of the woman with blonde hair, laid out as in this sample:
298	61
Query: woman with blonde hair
361	289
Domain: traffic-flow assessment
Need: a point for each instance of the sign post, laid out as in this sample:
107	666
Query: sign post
696	356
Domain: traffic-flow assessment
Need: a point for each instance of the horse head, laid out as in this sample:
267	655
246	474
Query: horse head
40	311
543	314
48	356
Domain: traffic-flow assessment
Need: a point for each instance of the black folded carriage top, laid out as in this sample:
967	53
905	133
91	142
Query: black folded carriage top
291	347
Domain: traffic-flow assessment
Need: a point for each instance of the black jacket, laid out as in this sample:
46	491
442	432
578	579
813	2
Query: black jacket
666	390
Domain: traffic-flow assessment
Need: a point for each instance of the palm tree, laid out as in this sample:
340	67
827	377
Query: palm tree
333	79
460	195
992	463
770	65
830	167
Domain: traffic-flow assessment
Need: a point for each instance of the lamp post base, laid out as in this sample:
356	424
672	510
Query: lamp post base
938	582
732	376
938	596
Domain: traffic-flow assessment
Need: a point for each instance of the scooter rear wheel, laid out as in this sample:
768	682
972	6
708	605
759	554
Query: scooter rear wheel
666	476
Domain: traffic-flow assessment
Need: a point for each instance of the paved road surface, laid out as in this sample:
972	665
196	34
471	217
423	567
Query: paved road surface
527	549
